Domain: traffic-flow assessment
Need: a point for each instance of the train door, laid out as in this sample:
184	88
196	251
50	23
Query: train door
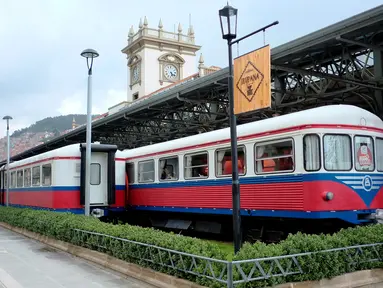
102	175
99	179
2	187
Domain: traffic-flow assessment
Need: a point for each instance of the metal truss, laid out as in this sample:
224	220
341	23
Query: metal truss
347	79
345	69
229	273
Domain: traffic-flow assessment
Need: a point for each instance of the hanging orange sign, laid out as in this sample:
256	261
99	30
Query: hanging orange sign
252	75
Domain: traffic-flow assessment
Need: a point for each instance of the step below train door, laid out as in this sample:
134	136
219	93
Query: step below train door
99	179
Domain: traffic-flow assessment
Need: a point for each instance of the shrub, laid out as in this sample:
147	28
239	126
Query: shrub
315	266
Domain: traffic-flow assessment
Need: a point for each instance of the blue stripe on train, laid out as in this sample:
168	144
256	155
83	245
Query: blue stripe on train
260	179
348	216
55	188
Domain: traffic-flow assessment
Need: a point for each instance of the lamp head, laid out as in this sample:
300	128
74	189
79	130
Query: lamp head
89	54
228	19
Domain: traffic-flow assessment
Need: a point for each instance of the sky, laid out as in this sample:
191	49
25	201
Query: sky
42	73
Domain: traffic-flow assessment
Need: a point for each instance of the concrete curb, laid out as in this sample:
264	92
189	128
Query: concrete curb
359	279
147	275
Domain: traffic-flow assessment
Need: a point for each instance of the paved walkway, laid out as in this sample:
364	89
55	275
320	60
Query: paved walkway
26	263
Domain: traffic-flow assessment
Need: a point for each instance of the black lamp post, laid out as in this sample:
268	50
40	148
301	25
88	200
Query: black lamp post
228	19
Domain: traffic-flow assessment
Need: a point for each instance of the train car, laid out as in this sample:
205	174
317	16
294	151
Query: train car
55	180
301	170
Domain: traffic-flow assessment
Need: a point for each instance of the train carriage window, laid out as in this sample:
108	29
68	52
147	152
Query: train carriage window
379	154
364	153
36	176
27	177
95	174
223	161
130	172
5	180
13	179
337	152
146	171
196	165
47	174
311	152
274	157
20	178
168	168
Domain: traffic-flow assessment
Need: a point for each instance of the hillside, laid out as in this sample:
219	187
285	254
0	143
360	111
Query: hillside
52	125
40	132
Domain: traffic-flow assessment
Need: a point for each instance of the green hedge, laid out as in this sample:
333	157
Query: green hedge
316	266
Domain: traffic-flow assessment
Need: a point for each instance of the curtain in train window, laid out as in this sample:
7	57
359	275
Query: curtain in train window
47	174
20	177
27	177
364	153
337	152
379	154
36	176
259	151
169	168
13	179
311	146
224	164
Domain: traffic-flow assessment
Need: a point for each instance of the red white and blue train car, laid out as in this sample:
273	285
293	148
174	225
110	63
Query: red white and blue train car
55	180
324	163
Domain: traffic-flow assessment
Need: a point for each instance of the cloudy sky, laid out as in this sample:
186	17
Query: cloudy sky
42	73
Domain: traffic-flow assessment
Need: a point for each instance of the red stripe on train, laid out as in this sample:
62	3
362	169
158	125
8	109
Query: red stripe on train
297	196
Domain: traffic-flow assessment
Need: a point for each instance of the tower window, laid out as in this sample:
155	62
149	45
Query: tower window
135	96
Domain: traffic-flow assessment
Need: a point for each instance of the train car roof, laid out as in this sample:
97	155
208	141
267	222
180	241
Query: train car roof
325	115
72	150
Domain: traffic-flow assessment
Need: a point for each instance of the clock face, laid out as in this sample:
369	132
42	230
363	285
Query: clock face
136	73
170	72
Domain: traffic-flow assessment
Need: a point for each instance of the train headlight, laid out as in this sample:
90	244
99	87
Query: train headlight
328	196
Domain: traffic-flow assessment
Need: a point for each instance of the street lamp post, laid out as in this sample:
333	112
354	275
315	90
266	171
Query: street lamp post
7	118
89	54
228	20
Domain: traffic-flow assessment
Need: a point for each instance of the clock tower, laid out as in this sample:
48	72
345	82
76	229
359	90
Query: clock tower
157	58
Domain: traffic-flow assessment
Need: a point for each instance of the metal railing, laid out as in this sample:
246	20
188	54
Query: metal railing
226	272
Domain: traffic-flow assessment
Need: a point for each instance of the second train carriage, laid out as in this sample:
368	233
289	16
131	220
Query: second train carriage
55	180
324	163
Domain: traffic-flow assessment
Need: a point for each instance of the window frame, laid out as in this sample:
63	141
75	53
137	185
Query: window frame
99	174
22	178
36	185
320	152
373	150
381	139
272	142
138	171
324	156
194	154
30	175
229	148
13	179
159	172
